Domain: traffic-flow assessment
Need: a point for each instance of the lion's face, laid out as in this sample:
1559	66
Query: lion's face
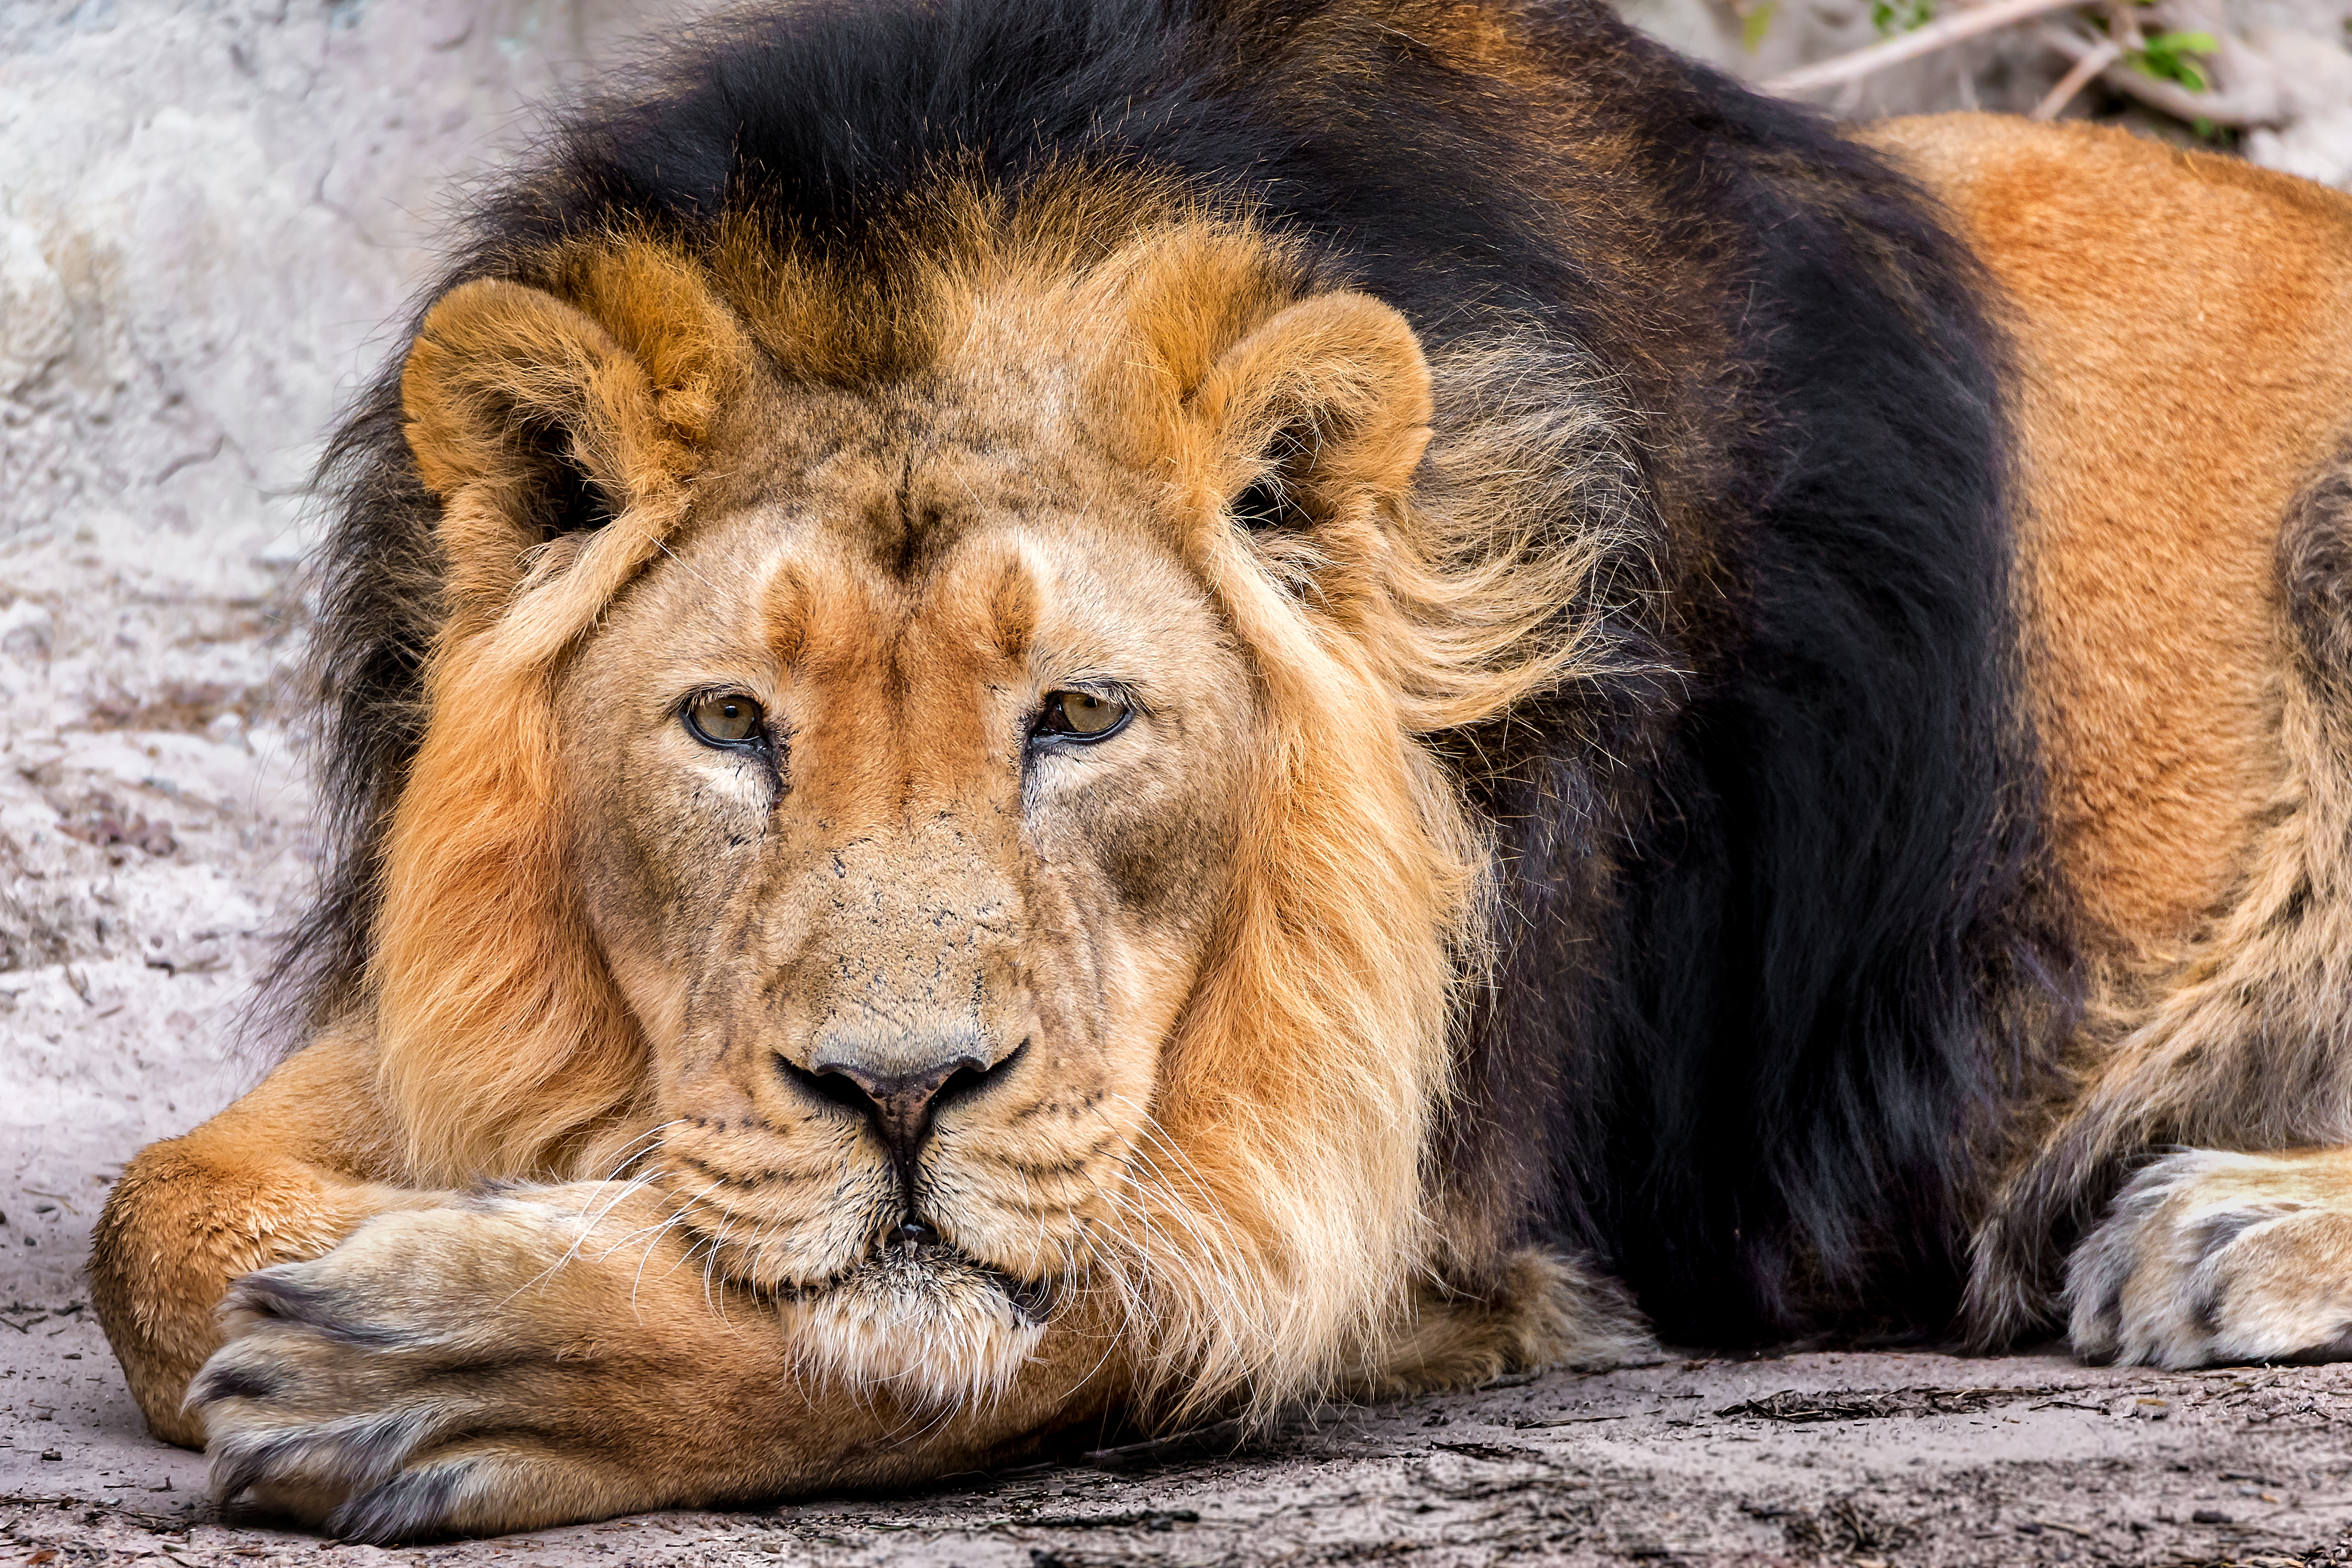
949	807
907	800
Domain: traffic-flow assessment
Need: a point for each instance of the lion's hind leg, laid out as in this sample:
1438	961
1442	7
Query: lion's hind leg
2208	1257
2215	1257
2243	1043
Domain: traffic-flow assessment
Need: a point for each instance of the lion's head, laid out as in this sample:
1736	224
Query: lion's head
925	761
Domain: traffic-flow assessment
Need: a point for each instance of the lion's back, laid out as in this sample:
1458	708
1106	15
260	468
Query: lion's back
2182	329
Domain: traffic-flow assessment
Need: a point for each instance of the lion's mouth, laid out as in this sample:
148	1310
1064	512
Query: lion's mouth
920	1319
915	1263
903	1269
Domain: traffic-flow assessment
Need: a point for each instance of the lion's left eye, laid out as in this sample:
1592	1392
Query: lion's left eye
725	718
1081	716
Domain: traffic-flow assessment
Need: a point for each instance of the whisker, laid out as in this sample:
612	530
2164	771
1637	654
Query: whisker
659	1233
580	1237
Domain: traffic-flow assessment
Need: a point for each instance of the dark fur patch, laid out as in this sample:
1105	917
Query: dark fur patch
1828	951
1777	945
2315	565
270	1294
246	1461
2223	1230
2337	1347
2210	1238
411	1506
218	1380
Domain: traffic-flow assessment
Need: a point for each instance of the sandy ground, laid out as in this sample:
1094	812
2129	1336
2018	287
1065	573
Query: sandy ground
208	211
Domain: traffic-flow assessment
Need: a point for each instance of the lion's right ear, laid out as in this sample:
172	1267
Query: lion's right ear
559	433
560	429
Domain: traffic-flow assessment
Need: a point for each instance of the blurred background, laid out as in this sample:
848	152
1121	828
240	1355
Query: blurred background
210	211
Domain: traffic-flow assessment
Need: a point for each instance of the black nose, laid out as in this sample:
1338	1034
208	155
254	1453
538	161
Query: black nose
901	1105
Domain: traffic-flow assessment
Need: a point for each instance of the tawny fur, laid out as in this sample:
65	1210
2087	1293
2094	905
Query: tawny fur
2200	747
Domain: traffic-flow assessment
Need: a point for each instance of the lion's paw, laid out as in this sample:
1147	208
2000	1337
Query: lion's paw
417	1381
2210	1258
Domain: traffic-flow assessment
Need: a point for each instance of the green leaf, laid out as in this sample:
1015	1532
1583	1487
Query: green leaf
1891	17
2166	58
1757	22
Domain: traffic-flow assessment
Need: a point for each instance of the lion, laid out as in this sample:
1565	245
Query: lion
1063	714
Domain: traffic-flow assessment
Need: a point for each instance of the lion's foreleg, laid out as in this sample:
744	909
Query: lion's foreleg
547	1354
1535	1310
282	1175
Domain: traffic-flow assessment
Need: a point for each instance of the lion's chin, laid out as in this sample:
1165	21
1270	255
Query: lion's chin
935	1330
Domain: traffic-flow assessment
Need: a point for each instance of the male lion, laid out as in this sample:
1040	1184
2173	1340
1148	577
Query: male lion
1067	711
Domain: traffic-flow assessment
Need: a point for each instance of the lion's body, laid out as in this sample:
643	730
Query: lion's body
1694	721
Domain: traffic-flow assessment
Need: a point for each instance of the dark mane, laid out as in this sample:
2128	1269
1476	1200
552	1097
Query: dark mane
1773	892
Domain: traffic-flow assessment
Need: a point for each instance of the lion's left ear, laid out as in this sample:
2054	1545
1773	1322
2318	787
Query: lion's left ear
1314	418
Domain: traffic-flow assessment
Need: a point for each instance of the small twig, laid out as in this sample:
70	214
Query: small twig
2076	79
2069	1529
2177	101
1942	33
2122	25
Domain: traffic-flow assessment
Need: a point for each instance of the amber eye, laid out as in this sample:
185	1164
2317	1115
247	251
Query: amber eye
1081	716
725	718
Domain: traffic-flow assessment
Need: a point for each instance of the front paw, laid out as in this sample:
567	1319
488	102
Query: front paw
442	1372
2210	1258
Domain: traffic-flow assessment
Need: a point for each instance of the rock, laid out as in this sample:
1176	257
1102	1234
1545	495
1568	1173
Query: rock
34	331
26	627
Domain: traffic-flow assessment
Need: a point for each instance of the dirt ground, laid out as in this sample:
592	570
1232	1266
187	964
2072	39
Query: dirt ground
208	211
1914	1459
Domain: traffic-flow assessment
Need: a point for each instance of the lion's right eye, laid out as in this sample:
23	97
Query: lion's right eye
1081	716
725	718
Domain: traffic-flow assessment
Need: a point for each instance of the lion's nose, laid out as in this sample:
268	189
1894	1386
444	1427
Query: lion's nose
901	1105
